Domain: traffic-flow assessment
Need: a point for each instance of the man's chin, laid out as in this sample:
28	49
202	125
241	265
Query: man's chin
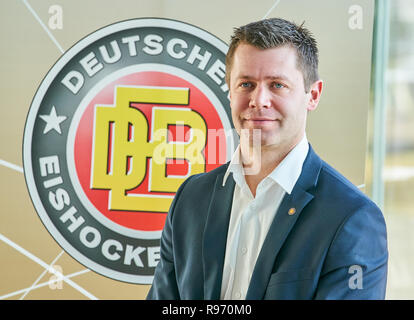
267	144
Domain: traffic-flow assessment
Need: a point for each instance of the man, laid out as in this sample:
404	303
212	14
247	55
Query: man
276	222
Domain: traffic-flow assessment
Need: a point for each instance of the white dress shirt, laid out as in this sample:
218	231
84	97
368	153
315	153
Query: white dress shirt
252	216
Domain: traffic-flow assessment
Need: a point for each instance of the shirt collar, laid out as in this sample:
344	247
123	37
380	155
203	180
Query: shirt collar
234	167
285	174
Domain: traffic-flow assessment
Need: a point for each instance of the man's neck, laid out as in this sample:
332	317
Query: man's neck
258	163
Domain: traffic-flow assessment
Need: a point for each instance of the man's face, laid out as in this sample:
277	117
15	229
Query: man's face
267	93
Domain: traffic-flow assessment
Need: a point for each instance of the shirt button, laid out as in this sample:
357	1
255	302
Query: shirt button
243	250
237	295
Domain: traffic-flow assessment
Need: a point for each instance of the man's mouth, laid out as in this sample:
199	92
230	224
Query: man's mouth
260	120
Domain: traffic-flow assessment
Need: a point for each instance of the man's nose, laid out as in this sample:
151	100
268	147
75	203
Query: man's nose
260	98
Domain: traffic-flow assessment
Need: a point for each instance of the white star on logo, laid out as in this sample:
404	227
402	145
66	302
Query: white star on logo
53	121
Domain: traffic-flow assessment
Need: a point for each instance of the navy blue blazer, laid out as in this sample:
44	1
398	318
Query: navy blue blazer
333	247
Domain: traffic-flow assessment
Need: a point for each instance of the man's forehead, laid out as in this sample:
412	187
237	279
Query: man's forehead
276	61
285	49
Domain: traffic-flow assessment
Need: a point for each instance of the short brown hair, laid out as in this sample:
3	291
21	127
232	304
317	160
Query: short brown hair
276	32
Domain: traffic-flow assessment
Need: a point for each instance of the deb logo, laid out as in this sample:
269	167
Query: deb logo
116	126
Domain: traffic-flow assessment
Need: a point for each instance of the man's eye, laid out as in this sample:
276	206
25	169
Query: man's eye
245	85
278	85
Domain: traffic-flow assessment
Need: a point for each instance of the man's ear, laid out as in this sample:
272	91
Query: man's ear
228	86
314	95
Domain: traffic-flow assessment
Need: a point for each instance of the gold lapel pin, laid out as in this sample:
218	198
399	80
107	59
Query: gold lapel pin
291	211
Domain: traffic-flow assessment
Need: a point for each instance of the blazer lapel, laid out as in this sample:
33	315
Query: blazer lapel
215	237
282	225
278	232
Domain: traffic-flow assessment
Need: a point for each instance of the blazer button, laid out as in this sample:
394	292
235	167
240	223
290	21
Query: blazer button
291	211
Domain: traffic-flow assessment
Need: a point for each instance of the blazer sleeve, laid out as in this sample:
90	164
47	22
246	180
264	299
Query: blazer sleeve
356	262
164	285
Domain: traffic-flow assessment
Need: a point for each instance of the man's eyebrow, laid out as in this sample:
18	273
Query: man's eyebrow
278	77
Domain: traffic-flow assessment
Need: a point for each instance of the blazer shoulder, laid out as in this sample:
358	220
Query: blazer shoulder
336	188
199	185
208	177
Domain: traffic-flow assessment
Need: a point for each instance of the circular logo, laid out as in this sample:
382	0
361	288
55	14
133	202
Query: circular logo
116	126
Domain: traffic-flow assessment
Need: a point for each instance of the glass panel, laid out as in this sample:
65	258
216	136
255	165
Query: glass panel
398	171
